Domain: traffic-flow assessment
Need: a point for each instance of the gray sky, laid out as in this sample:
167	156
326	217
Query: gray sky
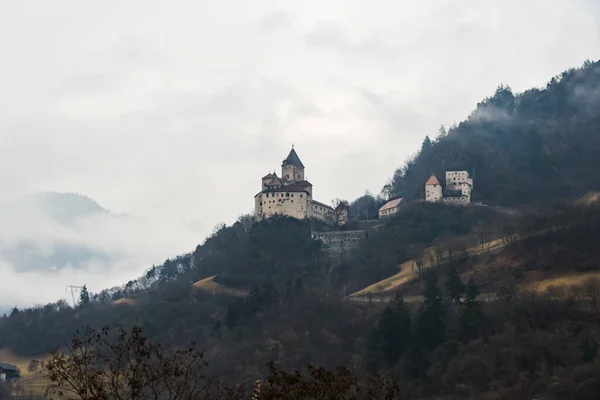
174	110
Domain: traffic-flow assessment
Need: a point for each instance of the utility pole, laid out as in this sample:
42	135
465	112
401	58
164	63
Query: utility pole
73	292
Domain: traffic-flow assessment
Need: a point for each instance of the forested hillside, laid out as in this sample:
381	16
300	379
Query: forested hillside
528	149
532	148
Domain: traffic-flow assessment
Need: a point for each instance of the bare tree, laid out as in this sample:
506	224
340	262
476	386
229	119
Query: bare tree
591	291
340	215
125	365
415	252
509	233
319	383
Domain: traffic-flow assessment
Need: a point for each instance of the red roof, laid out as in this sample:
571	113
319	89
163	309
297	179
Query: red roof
432	180
391	204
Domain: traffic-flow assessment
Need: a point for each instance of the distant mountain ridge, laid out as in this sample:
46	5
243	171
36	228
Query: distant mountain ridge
66	209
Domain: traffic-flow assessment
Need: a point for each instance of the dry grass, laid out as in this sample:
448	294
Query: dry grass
124	300
591	197
406	274
563	281
32	382
534	281
210	286
409	271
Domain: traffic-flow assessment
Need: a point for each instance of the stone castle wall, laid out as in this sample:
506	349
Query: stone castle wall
339	244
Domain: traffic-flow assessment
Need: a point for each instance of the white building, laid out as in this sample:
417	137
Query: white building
458	188
390	208
433	189
292	195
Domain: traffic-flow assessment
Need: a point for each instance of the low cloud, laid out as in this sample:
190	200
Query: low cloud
41	254
275	21
330	36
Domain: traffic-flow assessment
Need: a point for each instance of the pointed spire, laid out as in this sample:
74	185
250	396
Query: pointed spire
293	159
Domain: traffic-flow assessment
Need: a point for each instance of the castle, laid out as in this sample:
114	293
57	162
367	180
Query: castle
458	188
292	195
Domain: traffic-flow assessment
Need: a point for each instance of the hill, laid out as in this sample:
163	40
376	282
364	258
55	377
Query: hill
51	240
66	211
534	147
267	291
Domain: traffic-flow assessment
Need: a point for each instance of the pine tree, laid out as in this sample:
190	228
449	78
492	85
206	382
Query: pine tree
430	321
442	133
472	292
588	348
388	341
415	361
233	315
84	296
372	357
394	327
471	314
454	285
426	143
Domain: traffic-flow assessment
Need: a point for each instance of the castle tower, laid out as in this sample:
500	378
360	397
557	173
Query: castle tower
433	190
292	168
459	182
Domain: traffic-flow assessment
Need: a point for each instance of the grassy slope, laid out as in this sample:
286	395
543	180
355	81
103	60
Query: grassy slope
491	267
210	286
32	382
408	270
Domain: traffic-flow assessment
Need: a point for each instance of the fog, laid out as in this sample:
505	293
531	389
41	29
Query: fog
171	112
45	246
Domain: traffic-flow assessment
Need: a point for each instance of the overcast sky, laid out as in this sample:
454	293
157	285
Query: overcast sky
174	110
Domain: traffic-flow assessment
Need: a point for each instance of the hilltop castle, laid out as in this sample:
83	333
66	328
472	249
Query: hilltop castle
458	188
291	195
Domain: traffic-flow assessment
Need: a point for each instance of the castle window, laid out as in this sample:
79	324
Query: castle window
287	195
292	194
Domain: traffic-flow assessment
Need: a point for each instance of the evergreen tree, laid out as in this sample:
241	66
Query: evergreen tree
372	357
394	327
471	314
415	361
388	341
588	348
472	292
442	133
84	296
426	144
504	98
454	285
430	321
233	315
